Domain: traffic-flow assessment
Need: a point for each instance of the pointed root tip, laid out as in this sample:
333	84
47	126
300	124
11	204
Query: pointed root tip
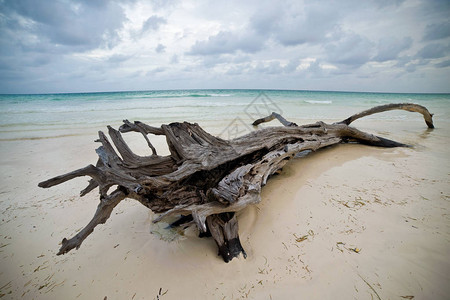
41	184
231	250
63	250
45	184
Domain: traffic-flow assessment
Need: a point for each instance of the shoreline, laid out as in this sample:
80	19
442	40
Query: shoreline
392	204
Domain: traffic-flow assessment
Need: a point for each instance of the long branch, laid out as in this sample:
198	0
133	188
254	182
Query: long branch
90	170
272	116
403	106
102	214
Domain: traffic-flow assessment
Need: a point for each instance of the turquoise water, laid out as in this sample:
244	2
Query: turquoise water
54	115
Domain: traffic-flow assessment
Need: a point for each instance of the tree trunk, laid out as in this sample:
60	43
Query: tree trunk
206	179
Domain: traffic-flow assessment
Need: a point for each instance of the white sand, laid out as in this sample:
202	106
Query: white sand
391	204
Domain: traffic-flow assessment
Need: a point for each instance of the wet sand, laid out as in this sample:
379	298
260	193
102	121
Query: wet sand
346	222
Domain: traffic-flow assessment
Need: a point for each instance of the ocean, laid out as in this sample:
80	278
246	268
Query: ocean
227	113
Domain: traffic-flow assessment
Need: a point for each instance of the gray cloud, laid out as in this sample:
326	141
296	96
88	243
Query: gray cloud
265	19
389	48
271	68
213	60
152	23
435	50
118	58
155	71
160	48
162	4
237	70
228	42
443	64
38	38
410	68
434	8
174	59
314	68
292	65
403	61
437	31
77	26
295	24
264	68
352	50
312	26
385	3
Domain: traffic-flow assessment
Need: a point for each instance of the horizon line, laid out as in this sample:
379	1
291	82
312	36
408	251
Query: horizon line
215	89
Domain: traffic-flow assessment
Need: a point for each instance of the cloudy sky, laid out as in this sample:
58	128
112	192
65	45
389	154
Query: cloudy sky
95	45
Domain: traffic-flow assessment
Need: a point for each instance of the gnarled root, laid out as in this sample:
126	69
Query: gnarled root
205	178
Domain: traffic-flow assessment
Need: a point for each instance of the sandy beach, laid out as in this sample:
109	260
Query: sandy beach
348	222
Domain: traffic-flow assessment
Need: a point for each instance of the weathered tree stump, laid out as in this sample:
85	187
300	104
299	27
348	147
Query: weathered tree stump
206	179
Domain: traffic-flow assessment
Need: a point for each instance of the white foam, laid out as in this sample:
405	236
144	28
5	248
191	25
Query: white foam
319	101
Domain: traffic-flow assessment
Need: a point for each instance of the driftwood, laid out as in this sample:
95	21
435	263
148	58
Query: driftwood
206	179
